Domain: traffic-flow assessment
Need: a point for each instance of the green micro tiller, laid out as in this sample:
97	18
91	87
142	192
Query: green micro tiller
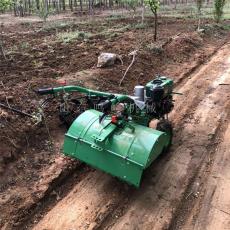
111	131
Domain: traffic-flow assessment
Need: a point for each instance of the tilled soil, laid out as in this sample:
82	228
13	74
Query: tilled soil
42	189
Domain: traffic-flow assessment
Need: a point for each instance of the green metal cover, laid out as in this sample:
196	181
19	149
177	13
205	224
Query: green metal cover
122	152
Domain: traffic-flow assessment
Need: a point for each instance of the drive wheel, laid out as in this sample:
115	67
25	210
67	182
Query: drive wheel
166	126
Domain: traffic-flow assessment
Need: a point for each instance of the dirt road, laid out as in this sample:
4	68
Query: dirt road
187	189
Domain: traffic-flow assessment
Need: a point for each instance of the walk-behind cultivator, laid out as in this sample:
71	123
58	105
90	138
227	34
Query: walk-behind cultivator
111	131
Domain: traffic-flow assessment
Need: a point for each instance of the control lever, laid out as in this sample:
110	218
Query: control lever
105	107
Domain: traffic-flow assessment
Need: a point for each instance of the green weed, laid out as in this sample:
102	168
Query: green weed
67	37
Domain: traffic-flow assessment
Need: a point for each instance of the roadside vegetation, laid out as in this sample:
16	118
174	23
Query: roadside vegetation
218	9
198	9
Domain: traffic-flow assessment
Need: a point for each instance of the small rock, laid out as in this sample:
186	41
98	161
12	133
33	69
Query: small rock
107	59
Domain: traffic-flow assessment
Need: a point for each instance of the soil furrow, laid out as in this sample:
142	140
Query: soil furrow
209	209
197	66
58	188
194	165
194	189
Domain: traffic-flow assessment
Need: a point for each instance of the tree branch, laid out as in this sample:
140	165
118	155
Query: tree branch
133	53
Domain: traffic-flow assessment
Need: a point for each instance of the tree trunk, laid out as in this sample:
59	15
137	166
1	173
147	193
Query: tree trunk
63	5
110	4
81	6
142	11
37	5
71	5
25	6
91	7
100	3
15	8
20	9
175	6
60	5
155	25
30	6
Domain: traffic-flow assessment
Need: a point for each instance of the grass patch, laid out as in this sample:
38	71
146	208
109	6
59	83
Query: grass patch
22	47
26	24
114	32
49	26
154	48
140	26
115	17
226	27
67	37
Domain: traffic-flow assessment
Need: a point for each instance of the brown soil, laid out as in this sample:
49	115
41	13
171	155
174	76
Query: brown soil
42	189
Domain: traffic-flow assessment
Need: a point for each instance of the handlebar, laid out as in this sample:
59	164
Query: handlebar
45	91
73	88
112	98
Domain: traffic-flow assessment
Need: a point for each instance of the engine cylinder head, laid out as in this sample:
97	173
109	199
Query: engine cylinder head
139	92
